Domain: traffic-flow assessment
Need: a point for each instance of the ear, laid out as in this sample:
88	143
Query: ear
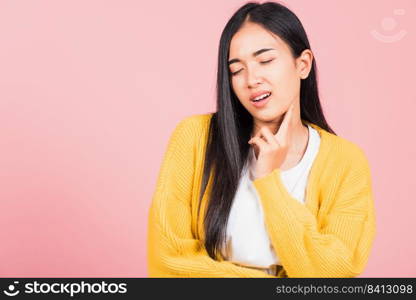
304	63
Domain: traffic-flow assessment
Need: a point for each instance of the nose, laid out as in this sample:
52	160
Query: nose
253	77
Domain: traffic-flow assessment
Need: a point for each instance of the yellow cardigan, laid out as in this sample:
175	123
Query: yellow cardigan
331	235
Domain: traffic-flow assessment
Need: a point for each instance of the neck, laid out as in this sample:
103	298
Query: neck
299	132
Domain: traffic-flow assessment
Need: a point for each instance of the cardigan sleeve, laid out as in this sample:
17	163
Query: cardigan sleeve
340	244
172	250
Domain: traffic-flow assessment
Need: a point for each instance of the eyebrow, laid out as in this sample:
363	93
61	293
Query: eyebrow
258	52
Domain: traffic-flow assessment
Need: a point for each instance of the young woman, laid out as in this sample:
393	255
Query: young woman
263	187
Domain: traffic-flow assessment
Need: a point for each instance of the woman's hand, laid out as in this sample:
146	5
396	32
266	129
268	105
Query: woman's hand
272	148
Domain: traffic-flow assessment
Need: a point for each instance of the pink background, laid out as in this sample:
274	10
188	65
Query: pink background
90	92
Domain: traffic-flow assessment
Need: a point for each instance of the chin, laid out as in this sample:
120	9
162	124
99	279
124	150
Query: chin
268	116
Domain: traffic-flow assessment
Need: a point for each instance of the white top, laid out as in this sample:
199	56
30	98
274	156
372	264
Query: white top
247	241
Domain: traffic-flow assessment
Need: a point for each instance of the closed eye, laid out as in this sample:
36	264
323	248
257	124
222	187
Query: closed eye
262	62
267	61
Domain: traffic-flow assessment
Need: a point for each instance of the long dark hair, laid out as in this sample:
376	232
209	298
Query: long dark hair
231	125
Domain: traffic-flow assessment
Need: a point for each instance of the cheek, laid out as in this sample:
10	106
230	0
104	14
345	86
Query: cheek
285	83
238	87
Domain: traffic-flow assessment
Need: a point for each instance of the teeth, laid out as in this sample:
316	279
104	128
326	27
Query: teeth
261	97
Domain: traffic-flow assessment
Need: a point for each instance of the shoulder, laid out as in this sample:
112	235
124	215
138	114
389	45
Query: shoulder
194	124
348	150
198	120
190	129
347	155
341	150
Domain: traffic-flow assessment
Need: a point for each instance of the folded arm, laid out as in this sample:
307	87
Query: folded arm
339	246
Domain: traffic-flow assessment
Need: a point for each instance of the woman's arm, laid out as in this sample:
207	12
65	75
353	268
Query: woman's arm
339	246
172	250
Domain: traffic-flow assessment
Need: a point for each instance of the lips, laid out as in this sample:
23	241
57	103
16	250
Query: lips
257	94
262	103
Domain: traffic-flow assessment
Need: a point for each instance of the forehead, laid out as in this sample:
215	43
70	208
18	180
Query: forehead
252	37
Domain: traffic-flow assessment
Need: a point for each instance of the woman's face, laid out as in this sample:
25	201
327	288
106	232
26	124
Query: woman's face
273	70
